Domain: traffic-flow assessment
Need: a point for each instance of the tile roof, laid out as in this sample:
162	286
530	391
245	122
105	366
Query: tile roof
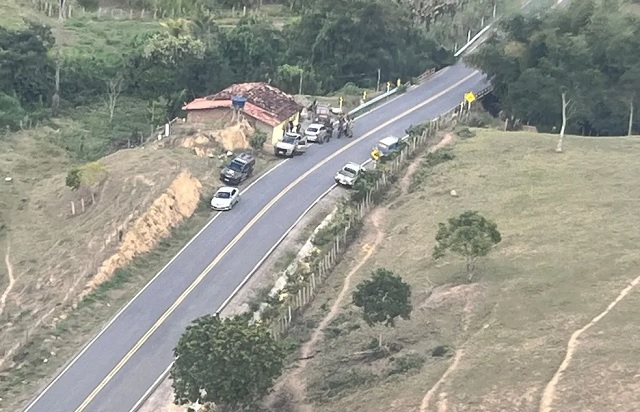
264	102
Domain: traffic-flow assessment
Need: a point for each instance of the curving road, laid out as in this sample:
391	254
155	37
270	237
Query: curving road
124	360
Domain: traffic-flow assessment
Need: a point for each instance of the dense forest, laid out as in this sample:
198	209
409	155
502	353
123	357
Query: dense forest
590	52
330	43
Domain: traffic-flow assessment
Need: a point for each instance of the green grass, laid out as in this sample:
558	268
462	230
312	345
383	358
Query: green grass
568	249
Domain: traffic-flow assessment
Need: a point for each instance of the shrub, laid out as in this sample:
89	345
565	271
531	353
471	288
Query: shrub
73	179
410	362
440	351
465	133
258	140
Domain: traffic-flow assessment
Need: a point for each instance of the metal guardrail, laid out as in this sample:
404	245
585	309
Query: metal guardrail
373	101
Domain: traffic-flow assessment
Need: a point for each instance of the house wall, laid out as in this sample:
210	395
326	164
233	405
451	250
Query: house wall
278	131
207	115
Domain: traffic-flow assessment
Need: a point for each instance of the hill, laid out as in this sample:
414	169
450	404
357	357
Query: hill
554	289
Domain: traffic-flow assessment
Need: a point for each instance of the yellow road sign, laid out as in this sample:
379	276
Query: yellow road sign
470	97
375	154
341	101
399	83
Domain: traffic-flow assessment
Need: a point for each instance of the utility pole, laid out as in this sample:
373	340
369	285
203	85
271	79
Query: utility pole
378	84
300	85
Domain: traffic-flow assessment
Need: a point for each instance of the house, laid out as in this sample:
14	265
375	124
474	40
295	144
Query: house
267	108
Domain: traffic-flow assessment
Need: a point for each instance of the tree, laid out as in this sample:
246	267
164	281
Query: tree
566	102
228	362
470	235
114	88
588	51
26	66
383	299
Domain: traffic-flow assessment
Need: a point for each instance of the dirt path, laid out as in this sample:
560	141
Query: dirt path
372	240
294	383
424	405
12	281
550	390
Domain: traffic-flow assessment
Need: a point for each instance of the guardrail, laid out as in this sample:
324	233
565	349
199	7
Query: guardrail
373	101
424	76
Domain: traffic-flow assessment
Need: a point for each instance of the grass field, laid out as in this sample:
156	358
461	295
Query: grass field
569	248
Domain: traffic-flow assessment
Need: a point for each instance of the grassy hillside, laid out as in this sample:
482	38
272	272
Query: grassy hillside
568	250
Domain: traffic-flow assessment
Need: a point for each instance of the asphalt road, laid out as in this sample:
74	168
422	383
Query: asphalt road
252	227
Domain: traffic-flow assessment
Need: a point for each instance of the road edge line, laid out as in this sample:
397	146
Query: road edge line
242	284
112	320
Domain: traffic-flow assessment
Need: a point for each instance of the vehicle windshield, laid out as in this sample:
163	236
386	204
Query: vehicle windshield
235	166
347	171
312	130
223	195
289	139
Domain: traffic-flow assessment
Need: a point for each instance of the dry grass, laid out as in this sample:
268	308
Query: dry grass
568	249
55	255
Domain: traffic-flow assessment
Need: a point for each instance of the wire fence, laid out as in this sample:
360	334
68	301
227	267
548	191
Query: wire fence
306	289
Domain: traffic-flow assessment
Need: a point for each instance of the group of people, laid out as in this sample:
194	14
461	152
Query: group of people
344	125
293	129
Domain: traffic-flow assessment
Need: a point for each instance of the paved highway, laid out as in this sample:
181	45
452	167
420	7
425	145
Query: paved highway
124	360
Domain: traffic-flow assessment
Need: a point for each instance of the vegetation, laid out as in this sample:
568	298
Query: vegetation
383	298
469	235
536	290
228	362
575	70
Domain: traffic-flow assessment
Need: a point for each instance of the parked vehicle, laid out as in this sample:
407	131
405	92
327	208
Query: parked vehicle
317	133
389	145
225	198
239	169
349	174
291	144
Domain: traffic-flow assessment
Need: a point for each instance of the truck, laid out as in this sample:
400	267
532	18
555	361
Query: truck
291	144
328	116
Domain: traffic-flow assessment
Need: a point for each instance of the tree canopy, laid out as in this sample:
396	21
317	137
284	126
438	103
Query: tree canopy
383	298
590	50
469	235
228	362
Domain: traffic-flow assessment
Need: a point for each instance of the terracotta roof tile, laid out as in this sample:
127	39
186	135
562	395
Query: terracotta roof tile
264	102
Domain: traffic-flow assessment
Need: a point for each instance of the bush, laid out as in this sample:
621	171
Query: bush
258	140
364	184
465	133
402	89
480	119
440	351
410	362
73	179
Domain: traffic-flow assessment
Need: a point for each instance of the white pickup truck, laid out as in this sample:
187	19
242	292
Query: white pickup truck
291	144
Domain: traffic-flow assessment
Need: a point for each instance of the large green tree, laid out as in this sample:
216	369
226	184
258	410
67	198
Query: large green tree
469	235
228	362
383	299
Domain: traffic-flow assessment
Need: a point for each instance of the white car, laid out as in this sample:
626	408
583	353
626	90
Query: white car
290	144
225	198
316	133
348	175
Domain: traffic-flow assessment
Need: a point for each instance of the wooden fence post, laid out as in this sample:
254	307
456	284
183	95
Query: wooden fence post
73	208
82	203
